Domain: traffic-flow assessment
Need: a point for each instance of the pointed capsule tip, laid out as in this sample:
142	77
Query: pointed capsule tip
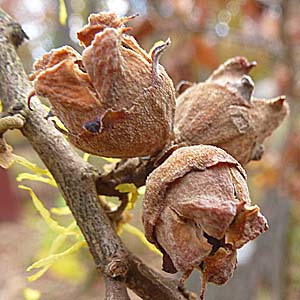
133	16
280	100
124	20
158	50
250	65
168	41
278	103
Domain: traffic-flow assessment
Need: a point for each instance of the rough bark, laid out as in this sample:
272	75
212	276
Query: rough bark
76	180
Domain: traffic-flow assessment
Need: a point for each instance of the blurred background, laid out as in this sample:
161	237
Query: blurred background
204	34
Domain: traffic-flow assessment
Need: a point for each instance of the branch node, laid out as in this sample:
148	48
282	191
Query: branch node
117	267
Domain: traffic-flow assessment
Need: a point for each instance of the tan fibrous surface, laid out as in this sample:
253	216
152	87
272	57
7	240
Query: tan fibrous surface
197	211
115	85
220	266
222	112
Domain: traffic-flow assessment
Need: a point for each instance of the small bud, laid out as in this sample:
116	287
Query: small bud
223	113
115	100
197	211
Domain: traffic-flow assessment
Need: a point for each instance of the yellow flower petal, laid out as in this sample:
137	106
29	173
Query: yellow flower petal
53	225
49	260
31	294
35	177
133	193
61	211
62	12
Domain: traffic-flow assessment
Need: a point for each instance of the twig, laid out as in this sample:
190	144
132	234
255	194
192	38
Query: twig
140	278
11	122
115	290
133	170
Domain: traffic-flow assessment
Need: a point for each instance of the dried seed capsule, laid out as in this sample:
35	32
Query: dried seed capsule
115	100
197	211
222	112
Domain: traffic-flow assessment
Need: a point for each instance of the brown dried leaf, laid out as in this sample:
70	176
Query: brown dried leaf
54	57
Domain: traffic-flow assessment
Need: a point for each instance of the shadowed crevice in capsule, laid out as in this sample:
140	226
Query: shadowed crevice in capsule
93	126
80	65
214	242
125	45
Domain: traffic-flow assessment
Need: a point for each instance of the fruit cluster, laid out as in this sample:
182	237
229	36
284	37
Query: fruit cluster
116	100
